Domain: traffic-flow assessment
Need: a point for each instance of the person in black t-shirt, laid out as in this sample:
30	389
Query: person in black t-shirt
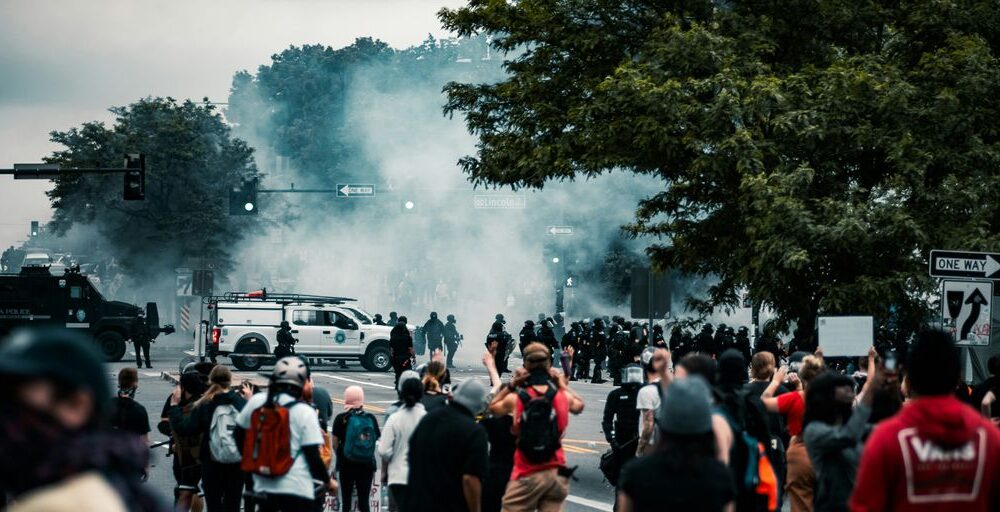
683	473
125	413
354	474
448	455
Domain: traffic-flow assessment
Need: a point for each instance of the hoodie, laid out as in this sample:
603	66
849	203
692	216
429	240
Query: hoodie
937	454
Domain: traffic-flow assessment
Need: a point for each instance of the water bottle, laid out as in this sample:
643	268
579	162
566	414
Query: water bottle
384	501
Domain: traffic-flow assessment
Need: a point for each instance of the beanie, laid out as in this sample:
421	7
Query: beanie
354	397
686	407
471	394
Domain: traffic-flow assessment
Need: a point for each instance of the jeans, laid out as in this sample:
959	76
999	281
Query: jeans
356	478
397	497
452	348
223	485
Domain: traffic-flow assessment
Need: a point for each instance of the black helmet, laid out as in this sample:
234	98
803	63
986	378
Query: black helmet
284	324
60	355
378	316
499	318
451	318
529	323
434	315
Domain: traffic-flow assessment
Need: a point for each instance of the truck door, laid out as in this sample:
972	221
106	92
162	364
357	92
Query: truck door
346	336
79	310
308	326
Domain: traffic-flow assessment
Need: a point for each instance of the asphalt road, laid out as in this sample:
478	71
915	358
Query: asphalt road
583	442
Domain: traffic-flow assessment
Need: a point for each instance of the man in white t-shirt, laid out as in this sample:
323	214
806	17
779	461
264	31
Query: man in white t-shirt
648	402
296	490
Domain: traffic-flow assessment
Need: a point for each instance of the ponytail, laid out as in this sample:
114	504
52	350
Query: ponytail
432	376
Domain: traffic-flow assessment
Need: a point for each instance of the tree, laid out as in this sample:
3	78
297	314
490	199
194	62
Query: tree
812	151
191	164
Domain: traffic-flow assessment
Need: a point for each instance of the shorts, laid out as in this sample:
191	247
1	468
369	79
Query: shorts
187	477
544	491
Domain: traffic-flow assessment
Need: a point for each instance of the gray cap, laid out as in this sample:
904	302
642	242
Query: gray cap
686	407
405	376
471	394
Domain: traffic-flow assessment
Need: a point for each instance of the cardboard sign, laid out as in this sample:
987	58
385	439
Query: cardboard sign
846	336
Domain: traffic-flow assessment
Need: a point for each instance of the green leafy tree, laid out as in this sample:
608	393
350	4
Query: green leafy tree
191	164
812	151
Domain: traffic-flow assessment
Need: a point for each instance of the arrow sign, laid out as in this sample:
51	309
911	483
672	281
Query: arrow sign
355	190
970	265
559	230
966	308
978	301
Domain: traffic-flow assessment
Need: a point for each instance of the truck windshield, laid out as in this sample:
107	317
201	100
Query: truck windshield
93	293
360	315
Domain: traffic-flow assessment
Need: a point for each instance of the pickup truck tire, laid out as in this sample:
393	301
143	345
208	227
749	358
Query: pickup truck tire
112	345
249	356
377	359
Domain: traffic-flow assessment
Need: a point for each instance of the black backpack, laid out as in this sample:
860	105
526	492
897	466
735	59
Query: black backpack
539	437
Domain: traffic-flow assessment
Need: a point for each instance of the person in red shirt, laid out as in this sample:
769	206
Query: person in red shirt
537	485
937	454
801	479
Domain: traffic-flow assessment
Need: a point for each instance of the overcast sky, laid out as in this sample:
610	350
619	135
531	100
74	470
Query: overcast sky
64	62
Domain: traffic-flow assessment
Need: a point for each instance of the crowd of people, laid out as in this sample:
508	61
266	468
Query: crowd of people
707	432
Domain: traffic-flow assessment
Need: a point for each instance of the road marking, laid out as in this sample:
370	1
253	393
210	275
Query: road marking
584	441
576	449
597	505
363	383
151	374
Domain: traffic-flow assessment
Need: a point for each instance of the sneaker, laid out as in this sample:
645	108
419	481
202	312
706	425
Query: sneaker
149	366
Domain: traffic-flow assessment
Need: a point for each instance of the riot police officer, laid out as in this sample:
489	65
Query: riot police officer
742	340
497	342
599	349
617	352
378	319
582	356
434	332
141	339
705	341
570	348
547	336
621	418
658	340
452	339
286	342
526	336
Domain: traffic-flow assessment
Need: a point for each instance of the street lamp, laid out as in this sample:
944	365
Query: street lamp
408	205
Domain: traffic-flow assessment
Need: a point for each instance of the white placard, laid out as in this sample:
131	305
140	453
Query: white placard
849	336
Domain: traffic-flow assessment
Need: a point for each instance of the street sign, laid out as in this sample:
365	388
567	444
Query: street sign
966	307
965	264
499	202
184	283
650	293
355	190
559	230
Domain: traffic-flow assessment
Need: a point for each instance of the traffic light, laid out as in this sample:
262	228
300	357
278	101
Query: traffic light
202	282
135	177
243	199
34	228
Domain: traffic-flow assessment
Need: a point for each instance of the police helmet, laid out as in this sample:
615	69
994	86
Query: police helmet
451	318
632	374
434	315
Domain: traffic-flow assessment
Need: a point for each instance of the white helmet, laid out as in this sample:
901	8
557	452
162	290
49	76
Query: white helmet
290	370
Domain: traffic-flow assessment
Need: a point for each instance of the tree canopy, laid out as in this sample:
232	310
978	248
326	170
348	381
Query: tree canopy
812	151
191	164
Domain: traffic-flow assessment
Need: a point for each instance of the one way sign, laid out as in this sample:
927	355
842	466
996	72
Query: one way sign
970	265
355	190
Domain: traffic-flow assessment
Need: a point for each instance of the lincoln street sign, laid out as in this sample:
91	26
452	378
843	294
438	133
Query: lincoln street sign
355	190
964	264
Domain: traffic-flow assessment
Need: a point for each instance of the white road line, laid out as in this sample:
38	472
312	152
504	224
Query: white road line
597	505
151	374
363	383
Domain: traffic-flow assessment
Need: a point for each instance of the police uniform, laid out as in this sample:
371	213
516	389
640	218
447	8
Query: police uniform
451	339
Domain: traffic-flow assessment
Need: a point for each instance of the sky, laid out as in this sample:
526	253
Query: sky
64	62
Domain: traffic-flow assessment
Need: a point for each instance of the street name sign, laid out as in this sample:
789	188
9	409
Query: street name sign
966	308
965	264
499	202
559	230
355	190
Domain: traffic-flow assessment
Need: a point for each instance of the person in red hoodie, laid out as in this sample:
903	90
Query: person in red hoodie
937	453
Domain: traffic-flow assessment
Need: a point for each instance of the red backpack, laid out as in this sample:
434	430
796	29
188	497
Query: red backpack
267	448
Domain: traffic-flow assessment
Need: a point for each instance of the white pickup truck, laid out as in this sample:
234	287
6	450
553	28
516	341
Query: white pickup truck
244	327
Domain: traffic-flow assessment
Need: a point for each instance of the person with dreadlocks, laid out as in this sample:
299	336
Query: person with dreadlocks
58	451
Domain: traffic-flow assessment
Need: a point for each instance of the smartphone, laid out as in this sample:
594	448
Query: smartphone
891	362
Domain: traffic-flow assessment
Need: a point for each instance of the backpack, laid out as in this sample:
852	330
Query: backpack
267	448
749	462
359	445
221	435
538	438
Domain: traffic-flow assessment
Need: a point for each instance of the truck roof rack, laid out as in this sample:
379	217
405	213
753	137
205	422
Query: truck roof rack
283	298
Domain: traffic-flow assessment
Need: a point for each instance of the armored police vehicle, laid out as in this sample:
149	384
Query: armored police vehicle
244	327
35	296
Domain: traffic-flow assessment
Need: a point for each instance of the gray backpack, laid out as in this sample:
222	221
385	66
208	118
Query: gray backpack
221	435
